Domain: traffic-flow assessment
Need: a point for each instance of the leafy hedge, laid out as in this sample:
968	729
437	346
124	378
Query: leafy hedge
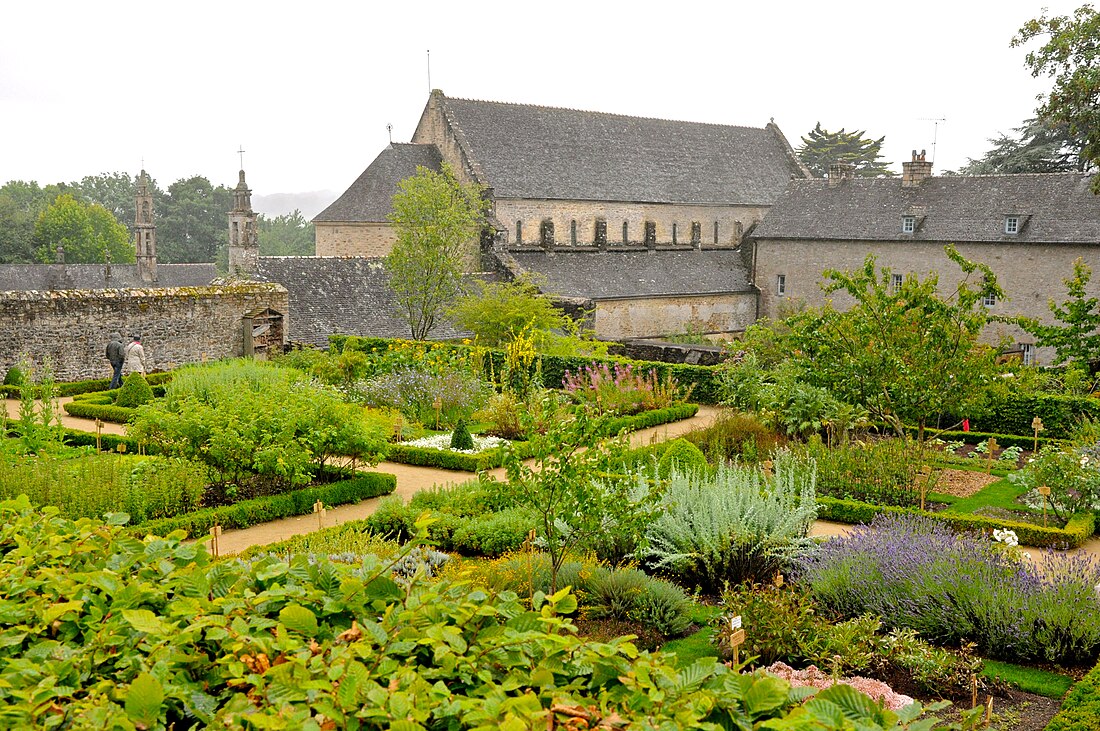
75	388
273	507
88	409
1076	532
1081	708
703	380
109	442
1060	414
492	458
974	437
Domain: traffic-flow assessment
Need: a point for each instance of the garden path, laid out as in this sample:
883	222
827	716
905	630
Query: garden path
72	422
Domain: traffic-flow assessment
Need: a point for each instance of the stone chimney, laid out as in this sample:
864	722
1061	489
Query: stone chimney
244	242
912	173
839	172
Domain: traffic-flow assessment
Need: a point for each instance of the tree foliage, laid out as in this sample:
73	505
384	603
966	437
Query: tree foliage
289	234
1035	147
437	219
113	191
821	148
907	353
496	312
192	223
1077	338
21	203
1070	55
88	233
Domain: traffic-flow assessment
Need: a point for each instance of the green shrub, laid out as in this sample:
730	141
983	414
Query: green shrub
1081	708
347	540
614	593
460	438
880	471
683	456
135	391
393	520
15	377
664	607
784	623
1061	415
494	534
106	412
736	436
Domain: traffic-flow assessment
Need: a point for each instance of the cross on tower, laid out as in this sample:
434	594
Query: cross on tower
240	152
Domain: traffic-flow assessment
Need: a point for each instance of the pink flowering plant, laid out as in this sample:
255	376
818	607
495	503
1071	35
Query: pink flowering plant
620	390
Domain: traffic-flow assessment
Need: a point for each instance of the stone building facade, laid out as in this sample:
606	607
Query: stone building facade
1028	228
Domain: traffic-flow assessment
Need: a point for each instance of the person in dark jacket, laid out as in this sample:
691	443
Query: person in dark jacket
116	357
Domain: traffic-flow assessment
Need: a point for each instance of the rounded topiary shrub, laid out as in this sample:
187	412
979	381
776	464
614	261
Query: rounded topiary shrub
15	377
461	438
135	391
685	455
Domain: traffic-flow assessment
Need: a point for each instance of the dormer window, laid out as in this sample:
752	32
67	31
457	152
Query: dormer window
1012	225
908	224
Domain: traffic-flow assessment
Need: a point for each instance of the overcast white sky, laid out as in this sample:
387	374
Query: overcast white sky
308	87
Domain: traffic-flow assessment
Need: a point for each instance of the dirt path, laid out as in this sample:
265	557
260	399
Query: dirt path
72	422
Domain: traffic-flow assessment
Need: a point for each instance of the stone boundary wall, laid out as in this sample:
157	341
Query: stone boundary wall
177	325
664	352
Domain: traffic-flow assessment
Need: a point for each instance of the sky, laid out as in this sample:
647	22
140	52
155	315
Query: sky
307	89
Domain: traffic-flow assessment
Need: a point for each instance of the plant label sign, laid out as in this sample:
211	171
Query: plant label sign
735	623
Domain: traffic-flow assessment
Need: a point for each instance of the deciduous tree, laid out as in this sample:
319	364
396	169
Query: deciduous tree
88	233
191	221
287	235
1077	338
497	311
437	219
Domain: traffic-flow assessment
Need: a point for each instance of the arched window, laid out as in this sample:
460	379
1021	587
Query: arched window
546	232
600	236
573	232
519	232
626	233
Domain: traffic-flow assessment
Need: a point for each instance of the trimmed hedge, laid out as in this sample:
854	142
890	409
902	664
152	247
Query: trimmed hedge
74	388
703	380
87	409
1060	414
1081	707
1077	530
492	458
109	442
974	437
273	507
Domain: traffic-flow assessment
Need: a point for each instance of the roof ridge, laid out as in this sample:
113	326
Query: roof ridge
602	114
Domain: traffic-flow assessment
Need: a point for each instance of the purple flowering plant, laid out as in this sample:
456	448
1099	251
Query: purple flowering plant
620	390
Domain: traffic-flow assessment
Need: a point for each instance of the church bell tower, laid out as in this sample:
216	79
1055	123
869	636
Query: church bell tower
244	243
145	231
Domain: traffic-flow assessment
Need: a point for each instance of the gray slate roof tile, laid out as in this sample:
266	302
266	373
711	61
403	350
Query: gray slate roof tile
370	197
44	277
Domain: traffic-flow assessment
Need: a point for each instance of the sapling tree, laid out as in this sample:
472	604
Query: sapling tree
1077	336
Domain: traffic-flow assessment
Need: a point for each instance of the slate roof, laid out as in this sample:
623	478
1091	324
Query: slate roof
1053	208
44	277
343	295
614	274
370	197
525	151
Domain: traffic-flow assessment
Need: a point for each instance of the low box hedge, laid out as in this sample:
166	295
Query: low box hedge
87	409
108	442
1081	707
273	507
75	388
975	437
1077	530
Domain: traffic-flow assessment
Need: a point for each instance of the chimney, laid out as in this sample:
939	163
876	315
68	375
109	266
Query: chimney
912	173
839	172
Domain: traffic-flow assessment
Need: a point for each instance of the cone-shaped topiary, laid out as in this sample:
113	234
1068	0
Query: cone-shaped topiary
685	455
135	391
461	438
14	377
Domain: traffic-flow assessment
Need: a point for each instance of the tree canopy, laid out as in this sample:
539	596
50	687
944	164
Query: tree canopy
1070	55
437	219
287	235
821	148
191	221
1077	337
88	233
496	312
1035	147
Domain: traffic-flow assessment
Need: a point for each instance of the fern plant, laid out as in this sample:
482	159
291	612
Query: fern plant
738	525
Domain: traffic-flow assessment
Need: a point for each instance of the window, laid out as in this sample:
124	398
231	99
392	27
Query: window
674	233
990	300
650	233
600	236
1029	353
626	233
716	232
908	224
1012	225
573	232
895	282
696	232
781	284
519	232
546	232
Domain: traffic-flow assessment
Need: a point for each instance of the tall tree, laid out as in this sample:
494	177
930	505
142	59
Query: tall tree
907	354
1070	55
287	235
21	203
821	148
87	231
1077	338
113	191
191	221
1036	147
437	219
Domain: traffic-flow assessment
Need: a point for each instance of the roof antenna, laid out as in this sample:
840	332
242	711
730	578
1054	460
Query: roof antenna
935	131
429	71
389	131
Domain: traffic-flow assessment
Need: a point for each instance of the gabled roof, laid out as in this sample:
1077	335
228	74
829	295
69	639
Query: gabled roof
597	275
45	277
370	197
1052	208
526	151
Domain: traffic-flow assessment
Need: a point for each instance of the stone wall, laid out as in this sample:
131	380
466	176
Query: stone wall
732	221
663	352
354	239
180	325
1030	274
622	319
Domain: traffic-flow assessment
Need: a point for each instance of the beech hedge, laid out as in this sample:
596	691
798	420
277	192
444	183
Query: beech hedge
273	507
1060	414
1079	528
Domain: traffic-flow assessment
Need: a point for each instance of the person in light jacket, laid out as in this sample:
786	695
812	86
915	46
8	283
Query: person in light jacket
135	357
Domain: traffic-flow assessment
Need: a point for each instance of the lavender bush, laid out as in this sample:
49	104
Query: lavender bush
916	573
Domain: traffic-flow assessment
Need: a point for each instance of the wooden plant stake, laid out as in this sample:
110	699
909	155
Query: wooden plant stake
973	691
319	508
992	448
737	638
398	425
1044	490
438	406
1037	425
215	534
98	435
989	711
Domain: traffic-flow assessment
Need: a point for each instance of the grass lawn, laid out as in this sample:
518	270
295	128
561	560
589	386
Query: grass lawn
1000	494
698	645
1029	680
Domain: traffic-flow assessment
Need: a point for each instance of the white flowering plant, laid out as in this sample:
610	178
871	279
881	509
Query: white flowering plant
1073	476
1006	536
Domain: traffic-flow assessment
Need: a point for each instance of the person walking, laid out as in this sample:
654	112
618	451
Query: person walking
115	357
135	357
